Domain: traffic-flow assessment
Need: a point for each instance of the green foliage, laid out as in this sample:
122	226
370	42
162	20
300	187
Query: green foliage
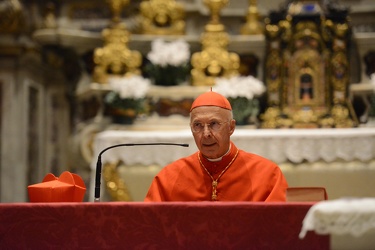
167	75
245	110
113	100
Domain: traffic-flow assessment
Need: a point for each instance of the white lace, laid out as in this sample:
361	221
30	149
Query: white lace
342	216
292	145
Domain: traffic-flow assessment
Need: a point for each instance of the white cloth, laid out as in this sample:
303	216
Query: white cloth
353	216
278	145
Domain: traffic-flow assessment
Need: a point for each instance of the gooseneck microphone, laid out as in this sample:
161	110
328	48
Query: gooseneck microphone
98	173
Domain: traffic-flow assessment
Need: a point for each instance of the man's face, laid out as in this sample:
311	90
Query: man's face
212	127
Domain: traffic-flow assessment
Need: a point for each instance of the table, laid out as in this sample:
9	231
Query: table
168	225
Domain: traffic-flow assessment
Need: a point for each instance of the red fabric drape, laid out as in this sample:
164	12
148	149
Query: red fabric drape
168	225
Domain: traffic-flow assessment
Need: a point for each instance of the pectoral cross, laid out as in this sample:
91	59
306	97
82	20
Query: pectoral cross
214	196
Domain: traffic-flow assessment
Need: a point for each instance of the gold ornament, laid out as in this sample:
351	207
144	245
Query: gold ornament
162	17
115	58
214	60
252	25
116	7
115	186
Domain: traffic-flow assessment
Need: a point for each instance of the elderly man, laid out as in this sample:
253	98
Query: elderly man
219	171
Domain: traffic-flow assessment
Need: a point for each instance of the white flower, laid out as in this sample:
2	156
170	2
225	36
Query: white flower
130	87
176	53
239	86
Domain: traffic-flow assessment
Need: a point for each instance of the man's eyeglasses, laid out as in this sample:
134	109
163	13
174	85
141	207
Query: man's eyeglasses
198	127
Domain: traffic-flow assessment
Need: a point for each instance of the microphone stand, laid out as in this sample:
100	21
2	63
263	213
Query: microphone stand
98	173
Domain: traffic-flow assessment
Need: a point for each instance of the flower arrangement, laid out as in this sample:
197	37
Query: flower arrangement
241	92
169	62
127	97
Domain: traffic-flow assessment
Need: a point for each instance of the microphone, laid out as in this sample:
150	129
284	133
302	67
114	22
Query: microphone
98	173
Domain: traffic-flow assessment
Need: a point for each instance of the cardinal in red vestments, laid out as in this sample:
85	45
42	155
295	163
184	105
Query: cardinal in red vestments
219	171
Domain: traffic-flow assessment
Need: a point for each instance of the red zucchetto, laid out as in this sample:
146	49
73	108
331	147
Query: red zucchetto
211	99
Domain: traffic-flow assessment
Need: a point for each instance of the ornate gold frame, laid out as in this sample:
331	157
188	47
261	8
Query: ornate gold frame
306	73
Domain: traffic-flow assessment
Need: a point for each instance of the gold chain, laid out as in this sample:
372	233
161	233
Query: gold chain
216	182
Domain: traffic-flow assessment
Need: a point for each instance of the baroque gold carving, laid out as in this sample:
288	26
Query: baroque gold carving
270	117
340	115
214	60
115	58
116	7
252	25
162	17
274	64
115	186
342	110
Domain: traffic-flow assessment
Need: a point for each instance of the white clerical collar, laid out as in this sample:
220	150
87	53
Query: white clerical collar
220	158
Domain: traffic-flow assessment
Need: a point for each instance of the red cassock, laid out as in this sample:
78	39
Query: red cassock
249	177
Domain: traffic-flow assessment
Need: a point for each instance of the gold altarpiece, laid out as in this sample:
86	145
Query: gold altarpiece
307	68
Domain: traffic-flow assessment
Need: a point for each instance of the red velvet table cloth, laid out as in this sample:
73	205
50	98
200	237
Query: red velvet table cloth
168	225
